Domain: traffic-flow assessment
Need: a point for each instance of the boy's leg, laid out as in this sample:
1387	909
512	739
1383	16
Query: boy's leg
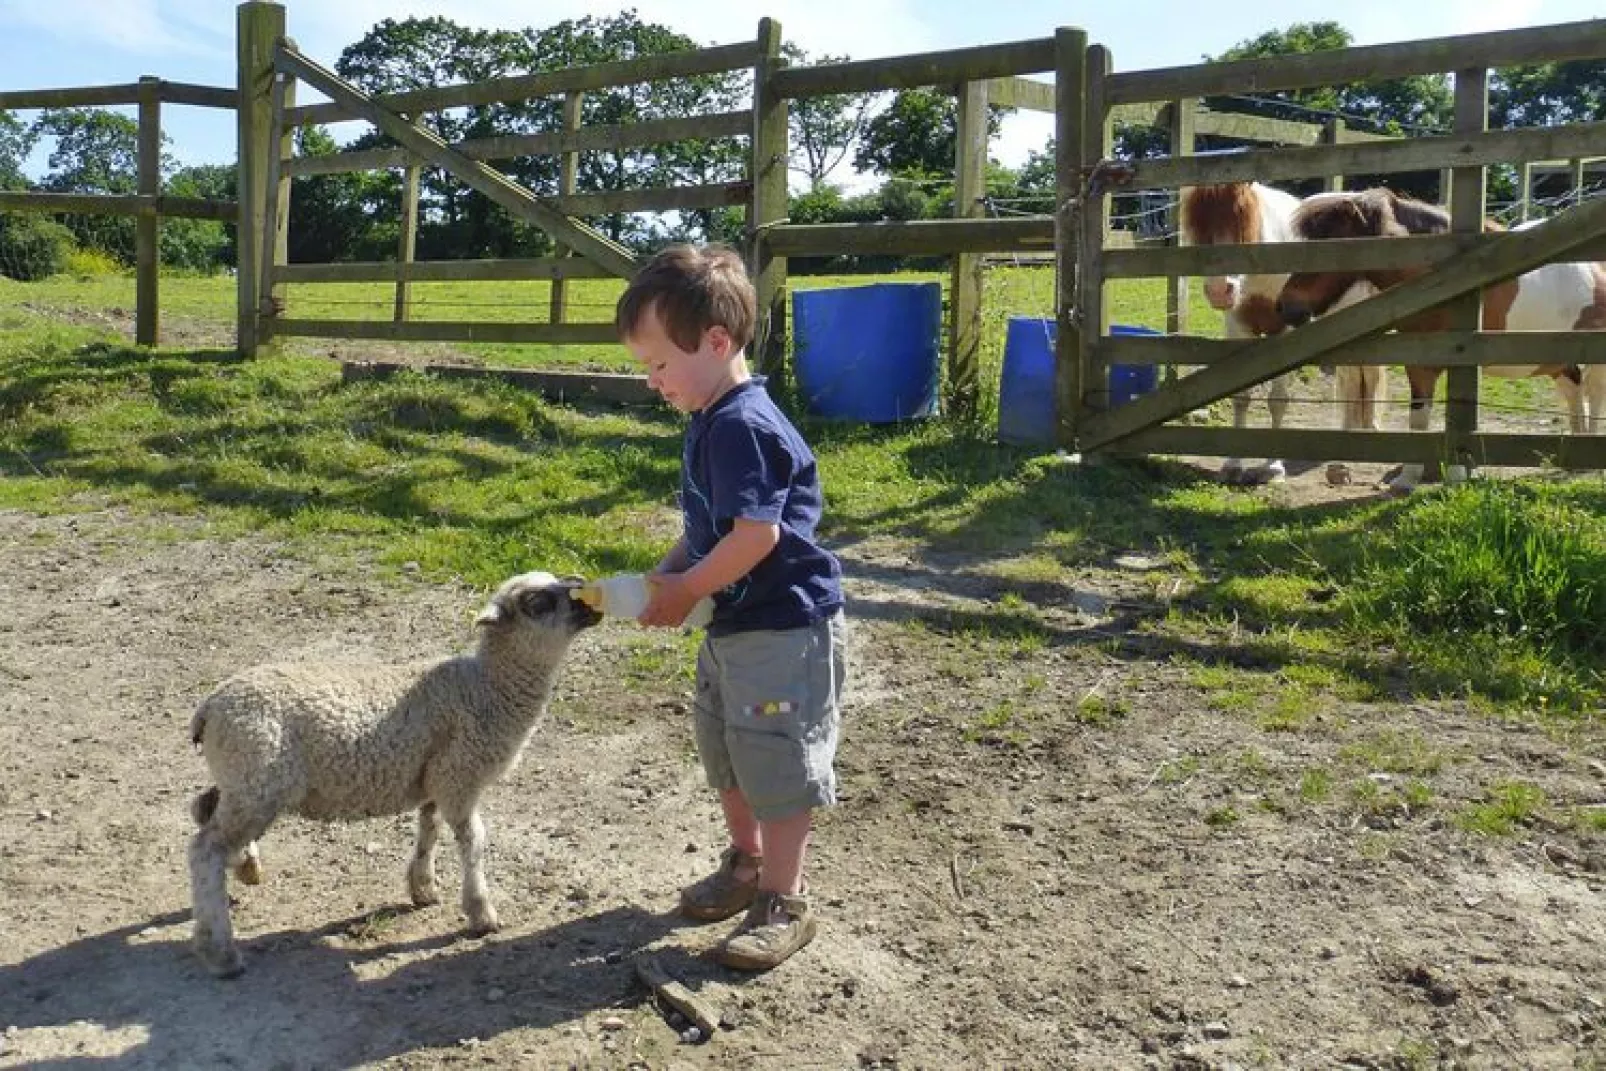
786	842
744	829
781	920
782	693
730	889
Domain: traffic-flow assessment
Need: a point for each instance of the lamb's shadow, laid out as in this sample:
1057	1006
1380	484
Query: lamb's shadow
136	997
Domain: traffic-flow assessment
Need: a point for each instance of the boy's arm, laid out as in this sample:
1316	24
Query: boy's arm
677	560
733	557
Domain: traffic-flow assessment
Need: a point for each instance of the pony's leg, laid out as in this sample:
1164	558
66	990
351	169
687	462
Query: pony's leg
1374	391
1349	398
421	871
1423	380
1232	469
1594	392
1572	396
1277	397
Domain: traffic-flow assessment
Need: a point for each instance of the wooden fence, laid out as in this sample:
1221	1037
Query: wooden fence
1468	259
271	68
148	205
1087	97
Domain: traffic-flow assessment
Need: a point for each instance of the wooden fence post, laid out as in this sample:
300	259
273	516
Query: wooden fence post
148	225
1070	108
1466	217
769	206
259	26
1092	301
407	247
1183	113
276	216
1333	134
568	182
965	283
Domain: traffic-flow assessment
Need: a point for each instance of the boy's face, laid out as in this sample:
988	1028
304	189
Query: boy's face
689	380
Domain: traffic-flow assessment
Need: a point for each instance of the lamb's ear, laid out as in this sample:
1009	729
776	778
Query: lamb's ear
494	613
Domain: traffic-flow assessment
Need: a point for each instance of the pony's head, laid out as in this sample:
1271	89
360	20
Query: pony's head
1226	213
1375	213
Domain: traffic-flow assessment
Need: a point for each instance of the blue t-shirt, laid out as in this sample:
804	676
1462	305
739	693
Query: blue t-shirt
743	458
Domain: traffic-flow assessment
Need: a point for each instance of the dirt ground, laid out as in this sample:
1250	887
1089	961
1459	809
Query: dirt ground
1060	895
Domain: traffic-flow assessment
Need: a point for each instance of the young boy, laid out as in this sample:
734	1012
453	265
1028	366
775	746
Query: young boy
771	669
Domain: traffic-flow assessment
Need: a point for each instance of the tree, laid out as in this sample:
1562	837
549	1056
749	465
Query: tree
1548	94
459	222
824	129
590	40
96	151
398	56
1409	105
16	142
916	134
352	216
200	245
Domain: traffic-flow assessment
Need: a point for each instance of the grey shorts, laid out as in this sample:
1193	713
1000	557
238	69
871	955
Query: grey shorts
768	715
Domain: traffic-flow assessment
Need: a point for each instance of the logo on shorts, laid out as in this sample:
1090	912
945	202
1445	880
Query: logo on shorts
773	707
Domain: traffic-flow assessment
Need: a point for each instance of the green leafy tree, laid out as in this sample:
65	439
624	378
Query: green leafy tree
823	129
916	134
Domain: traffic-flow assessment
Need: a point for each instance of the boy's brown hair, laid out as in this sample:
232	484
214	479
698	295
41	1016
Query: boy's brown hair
693	289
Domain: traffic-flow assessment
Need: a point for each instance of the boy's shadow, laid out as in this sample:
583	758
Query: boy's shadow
133	997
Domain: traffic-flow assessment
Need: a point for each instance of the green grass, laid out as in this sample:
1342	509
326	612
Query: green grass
1506	806
1485	591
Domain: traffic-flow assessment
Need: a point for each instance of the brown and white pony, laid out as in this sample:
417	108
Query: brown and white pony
1553	297
1245	213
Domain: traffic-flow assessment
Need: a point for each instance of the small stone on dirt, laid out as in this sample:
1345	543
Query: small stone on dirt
1215	1030
612	1023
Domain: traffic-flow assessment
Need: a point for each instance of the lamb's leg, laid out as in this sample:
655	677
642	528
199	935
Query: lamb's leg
470	833
247	864
421	872
229	830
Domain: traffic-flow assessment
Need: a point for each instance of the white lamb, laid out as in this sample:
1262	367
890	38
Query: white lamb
339	741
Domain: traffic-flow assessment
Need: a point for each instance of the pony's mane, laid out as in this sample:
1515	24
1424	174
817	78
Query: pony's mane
1227	213
1374	213
1418	217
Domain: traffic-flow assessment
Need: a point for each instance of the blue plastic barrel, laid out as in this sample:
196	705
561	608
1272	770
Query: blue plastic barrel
1026	393
868	353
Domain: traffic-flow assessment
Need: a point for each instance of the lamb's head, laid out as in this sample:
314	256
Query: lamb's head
538	605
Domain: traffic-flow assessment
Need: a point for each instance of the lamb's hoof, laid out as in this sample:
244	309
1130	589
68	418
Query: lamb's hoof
424	895
482	924
250	871
223	963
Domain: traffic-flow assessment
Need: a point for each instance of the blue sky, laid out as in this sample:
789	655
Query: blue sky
48	43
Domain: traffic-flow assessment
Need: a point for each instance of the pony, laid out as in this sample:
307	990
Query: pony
1244	213
1553	297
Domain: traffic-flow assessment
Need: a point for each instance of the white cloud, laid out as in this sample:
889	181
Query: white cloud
144	28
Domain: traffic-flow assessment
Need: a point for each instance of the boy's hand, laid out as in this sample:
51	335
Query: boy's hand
671	600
